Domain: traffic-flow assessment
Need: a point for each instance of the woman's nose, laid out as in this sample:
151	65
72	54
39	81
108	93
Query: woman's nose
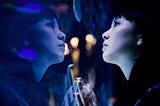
62	36
105	35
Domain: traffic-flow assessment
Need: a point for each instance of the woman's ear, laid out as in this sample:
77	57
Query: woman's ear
139	39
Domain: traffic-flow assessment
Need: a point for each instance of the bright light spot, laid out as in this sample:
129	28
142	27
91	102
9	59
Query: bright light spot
74	42
67	51
90	39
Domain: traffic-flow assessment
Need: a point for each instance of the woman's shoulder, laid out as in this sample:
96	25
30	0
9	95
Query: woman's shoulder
9	96
151	98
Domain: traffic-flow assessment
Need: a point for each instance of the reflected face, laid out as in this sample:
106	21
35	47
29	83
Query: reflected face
119	40
48	40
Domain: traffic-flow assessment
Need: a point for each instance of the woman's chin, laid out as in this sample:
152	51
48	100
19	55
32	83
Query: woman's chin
106	58
60	59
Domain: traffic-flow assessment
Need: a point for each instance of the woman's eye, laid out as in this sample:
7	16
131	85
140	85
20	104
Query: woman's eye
116	23
50	25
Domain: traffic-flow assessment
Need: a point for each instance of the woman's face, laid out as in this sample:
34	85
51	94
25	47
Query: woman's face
48	40
119	40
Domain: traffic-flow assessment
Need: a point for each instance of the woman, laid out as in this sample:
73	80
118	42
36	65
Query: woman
128	45
30	44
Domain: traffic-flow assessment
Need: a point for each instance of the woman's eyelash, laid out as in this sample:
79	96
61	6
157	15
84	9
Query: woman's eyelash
50	25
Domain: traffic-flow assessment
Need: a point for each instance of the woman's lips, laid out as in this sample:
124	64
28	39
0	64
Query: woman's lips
104	46
62	47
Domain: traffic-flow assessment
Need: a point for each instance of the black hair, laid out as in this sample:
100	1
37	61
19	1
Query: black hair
144	25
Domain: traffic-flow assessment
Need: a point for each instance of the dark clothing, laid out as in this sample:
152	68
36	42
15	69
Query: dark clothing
151	98
111	83
18	86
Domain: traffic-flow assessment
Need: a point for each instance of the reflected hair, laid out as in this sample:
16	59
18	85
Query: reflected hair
15	26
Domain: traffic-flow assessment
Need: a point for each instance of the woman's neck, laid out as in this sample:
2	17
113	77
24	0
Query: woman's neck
39	67
126	66
126	63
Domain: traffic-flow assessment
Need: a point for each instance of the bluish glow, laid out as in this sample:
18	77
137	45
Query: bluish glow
69	76
77	10
27	53
29	8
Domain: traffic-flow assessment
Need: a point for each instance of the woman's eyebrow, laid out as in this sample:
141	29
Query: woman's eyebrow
118	18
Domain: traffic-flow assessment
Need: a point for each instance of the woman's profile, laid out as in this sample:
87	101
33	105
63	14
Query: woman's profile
127	44
30	44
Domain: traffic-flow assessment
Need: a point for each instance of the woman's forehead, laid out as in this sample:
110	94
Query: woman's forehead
46	20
